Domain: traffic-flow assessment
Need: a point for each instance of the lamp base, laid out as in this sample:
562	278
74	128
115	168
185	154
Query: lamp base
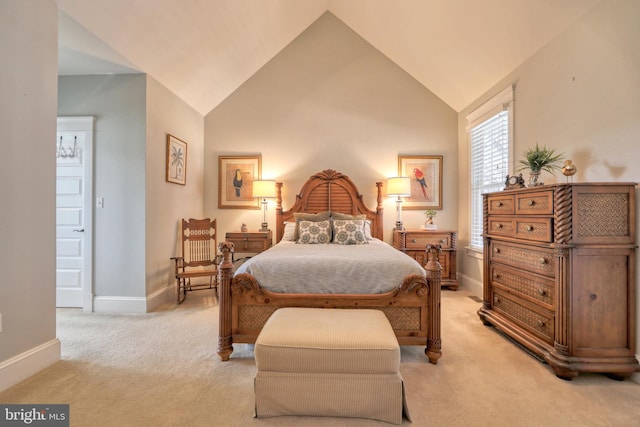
264	227
399	226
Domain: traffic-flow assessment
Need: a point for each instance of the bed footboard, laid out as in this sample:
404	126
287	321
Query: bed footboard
413	309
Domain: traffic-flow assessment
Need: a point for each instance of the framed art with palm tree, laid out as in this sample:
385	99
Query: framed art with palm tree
176	160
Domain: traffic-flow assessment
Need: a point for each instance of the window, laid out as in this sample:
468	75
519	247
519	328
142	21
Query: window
490	141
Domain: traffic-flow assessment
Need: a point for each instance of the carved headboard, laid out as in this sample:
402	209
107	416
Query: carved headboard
329	191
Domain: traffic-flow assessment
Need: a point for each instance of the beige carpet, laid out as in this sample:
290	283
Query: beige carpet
161	369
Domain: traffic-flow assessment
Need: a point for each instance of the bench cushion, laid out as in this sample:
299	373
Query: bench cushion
318	340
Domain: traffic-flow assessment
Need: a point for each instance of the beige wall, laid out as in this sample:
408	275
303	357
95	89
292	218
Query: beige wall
118	104
28	34
330	100
579	95
166	202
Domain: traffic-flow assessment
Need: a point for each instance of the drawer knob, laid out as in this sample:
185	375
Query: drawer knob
499	204
529	227
443	241
498	225
531	203
496	276
541	292
496	250
496	300
541	323
543	261
413	240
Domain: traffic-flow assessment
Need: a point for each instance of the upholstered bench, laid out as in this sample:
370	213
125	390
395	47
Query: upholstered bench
329	362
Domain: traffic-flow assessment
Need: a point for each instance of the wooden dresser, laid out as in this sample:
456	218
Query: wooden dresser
559	274
414	243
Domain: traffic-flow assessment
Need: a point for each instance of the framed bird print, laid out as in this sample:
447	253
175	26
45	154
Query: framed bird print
426	181
235	181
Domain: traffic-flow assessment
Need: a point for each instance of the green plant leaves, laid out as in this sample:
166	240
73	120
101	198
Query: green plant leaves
538	159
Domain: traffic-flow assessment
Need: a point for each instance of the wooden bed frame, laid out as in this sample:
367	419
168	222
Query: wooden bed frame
413	309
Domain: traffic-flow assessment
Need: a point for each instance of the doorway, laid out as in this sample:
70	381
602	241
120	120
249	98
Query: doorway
74	213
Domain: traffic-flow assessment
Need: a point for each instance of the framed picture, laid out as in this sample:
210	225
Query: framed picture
176	160
426	181
235	181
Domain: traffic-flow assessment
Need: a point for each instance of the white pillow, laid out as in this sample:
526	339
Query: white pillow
289	234
367	230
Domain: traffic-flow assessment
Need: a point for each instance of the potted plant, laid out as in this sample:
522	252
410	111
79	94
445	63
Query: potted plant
430	214
538	159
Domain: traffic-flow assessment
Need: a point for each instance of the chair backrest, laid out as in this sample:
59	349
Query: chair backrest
199	246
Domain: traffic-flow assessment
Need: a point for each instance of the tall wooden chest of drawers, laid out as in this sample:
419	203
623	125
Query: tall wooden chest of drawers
414	244
559	274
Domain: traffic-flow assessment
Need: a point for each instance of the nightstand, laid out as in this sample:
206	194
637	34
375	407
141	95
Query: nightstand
414	243
250	242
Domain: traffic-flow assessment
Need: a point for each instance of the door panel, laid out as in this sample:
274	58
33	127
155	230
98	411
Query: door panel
73	212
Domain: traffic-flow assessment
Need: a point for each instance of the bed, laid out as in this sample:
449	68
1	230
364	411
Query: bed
411	303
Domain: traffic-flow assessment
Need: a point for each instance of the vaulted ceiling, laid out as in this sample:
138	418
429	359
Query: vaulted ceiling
202	50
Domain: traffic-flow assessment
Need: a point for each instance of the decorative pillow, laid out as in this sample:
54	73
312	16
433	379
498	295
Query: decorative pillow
289	231
349	232
303	216
320	216
314	232
339	215
367	230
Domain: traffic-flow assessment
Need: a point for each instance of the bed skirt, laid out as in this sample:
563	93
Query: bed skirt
372	396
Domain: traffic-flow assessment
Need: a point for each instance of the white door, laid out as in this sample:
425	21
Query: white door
74	160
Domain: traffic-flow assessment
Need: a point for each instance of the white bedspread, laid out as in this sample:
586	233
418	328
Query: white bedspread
331	269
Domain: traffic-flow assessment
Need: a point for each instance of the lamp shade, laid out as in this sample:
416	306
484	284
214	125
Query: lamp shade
264	189
399	186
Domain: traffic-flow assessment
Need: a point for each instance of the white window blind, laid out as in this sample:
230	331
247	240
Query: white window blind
490	148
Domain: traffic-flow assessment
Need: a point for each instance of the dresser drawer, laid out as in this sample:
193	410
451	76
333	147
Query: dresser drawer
421	240
537	289
250	242
501	204
532	228
540	203
502	226
531	258
540	323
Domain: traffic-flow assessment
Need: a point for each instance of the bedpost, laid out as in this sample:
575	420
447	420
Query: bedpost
225	274
379	212
434	277
279	222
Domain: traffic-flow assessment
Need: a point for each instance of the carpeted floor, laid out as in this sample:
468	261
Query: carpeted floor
161	369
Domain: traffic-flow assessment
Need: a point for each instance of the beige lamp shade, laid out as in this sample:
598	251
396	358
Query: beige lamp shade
399	186
264	189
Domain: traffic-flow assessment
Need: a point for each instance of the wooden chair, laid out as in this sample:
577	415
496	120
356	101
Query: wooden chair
199	257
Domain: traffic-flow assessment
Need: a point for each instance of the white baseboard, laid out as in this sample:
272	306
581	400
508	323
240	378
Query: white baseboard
161	297
24	365
118	304
87	302
471	285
